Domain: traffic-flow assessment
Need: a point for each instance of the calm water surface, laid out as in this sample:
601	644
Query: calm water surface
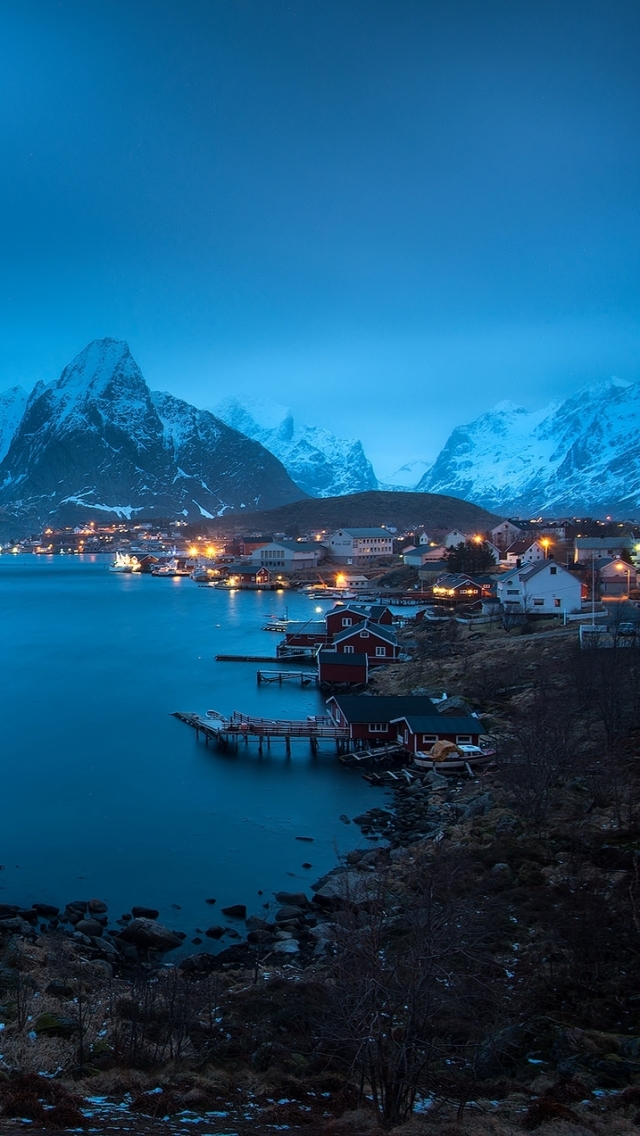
105	794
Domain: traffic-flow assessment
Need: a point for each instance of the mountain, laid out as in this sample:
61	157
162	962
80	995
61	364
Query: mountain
579	456
403	511
319	462
12	404
98	443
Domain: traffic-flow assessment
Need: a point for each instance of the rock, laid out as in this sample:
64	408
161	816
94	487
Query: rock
96	906
54	1025
305	839
128	951
297	898
255	923
15	926
307	865
89	927
237	955
236	911
59	989
215	932
344	818
79	905
196	941
436	780
478	806
259	936
102	967
144	912
202	963
149	935
282	936
284	914
7	910
287	947
210	901
46	910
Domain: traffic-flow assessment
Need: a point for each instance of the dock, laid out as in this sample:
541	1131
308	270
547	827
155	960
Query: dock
227	732
304	678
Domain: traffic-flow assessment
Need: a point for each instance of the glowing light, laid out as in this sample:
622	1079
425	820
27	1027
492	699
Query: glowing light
341	580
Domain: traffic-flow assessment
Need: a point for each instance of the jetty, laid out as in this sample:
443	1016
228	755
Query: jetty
304	678
228	732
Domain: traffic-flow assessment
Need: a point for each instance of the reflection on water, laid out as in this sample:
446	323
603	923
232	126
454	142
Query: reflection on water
105	794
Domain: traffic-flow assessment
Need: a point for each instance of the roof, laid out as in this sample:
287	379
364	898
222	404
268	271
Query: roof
528	571
454	579
521	546
378	629
247	569
364	533
296	545
358	708
306	627
596	542
438	724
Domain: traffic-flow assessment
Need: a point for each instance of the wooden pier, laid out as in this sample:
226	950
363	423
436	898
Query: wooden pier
227	732
304	678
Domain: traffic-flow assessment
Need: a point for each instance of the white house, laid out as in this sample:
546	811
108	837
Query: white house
288	554
545	587
617	577
455	537
525	551
505	534
588	548
357	546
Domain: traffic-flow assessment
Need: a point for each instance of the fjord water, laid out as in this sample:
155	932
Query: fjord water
105	794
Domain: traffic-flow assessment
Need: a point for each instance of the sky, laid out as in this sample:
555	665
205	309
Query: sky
386	214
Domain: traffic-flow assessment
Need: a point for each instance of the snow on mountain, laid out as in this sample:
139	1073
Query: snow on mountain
408	475
12	404
319	462
580	455
98	440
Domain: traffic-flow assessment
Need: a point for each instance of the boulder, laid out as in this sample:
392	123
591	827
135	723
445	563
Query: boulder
215	932
284	914
202	963
46	910
144	912
295	898
8	909
286	947
54	1025
59	989
149	935
89	927
236	911
96	906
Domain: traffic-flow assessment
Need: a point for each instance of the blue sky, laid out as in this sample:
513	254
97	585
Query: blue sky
387	215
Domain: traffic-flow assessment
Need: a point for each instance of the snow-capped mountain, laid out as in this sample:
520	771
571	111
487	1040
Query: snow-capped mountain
320	463
97	442
580	455
12	404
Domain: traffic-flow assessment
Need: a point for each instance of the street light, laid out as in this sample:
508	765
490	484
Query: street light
545	542
621	567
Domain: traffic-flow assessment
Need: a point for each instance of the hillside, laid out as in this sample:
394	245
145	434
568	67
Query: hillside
376	507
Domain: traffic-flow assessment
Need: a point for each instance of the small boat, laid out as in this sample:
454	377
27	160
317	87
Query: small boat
447	757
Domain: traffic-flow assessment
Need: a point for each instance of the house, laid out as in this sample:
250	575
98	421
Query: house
418	732
338	669
375	640
369	718
244	545
358	546
525	551
310	633
416	557
289	555
340	618
456	587
504	534
246	576
588	548
455	537
545	587
616	577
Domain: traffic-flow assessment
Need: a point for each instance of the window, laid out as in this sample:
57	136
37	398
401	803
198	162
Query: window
364	634
347	622
464	738
378	728
349	649
553	570
429	739
538	603
381	651
557	603
513	591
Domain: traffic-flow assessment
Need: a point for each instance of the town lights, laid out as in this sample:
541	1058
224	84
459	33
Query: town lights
545	542
622	567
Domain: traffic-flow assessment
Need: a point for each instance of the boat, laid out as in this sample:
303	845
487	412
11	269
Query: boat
447	757
123	562
169	568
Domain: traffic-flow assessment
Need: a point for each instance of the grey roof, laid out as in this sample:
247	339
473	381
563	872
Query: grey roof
597	542
364	533
358	708
295	545
380	629
437	724
454	579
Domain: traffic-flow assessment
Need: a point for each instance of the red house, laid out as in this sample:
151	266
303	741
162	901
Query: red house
379	643
419	732
340	618
337	669
369	718
312	633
